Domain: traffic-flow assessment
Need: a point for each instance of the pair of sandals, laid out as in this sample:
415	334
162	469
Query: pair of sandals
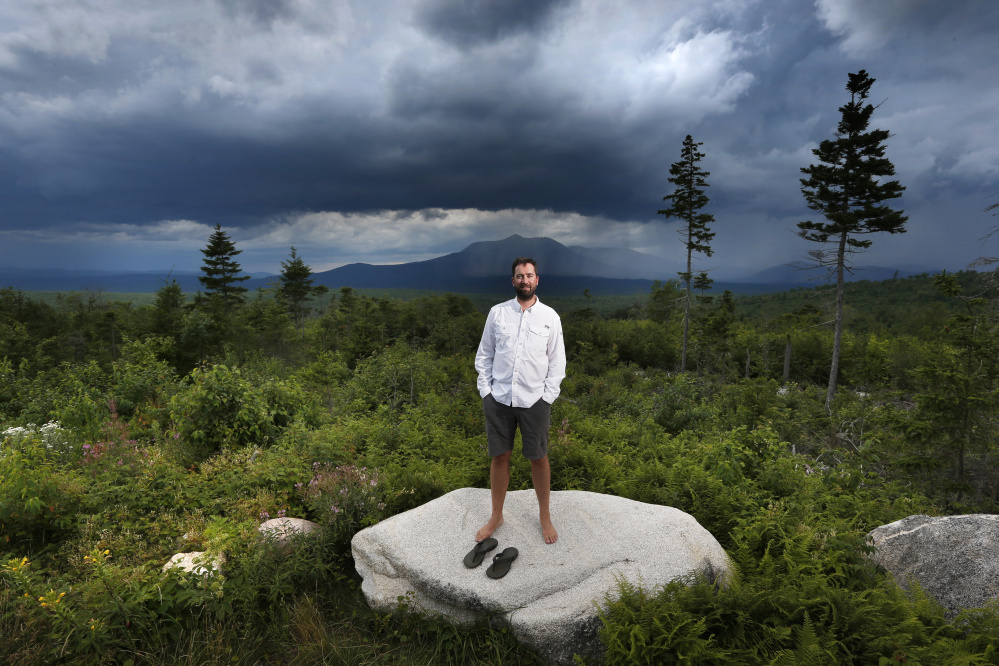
501	562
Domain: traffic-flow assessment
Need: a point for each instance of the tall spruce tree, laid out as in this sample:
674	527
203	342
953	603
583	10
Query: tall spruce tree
221	271
687	201
846	187
296	286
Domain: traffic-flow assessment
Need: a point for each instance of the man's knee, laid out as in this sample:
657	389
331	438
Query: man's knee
540	462
502	459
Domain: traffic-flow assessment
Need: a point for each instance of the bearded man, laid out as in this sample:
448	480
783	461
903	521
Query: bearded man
520	363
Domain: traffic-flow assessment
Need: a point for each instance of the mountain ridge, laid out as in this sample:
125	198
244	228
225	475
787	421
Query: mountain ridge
481	267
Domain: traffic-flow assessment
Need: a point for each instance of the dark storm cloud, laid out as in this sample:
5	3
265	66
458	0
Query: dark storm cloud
466	23
250	113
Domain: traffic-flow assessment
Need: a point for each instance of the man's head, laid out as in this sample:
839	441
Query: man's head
525	278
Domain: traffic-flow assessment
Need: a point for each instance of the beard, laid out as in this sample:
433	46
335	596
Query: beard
526	293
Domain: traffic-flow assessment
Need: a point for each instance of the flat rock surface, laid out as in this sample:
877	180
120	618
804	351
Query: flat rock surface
548	596
955	558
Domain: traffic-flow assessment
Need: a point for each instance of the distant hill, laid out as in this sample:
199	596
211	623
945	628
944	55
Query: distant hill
484	268
480	268
796	275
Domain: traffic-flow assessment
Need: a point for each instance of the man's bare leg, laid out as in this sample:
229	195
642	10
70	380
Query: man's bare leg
541	476
499	479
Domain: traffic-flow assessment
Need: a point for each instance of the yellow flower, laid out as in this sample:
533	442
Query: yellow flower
107	552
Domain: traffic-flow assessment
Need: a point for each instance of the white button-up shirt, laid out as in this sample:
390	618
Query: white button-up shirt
521	355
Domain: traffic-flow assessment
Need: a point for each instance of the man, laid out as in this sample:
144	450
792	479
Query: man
521	363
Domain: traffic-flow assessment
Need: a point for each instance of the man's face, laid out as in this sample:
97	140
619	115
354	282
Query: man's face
525	281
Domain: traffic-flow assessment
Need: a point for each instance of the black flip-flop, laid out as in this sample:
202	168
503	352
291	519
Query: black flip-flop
477	554
501	563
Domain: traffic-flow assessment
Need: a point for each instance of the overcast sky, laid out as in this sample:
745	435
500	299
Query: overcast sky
387	131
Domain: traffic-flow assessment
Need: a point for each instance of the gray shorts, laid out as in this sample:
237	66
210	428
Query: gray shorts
502	422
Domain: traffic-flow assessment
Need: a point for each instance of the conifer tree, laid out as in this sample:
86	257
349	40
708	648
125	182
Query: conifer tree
296	286
687	201
846	188
221	271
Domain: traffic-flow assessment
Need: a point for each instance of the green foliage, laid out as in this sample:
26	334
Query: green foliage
36	503
221	270
296	286
218	407
148	461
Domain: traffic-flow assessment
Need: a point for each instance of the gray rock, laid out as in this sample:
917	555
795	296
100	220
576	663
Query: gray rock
549	597
281	530
954	559
195	562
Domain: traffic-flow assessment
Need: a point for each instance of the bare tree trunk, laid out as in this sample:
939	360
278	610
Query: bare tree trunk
838	334
787	360
686	314
748	358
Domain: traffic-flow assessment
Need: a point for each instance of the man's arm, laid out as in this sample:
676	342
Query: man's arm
484	356
556	364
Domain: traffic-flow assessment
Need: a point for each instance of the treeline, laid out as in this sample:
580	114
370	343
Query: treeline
949	354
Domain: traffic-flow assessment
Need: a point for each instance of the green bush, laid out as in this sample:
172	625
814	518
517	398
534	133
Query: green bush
37	502
217	407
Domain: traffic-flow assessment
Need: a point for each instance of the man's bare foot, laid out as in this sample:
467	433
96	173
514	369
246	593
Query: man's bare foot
487	530
548	531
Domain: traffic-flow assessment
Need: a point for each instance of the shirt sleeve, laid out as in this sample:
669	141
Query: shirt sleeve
484	356
556	364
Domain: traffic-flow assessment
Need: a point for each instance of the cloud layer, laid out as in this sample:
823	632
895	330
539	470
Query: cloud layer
393	130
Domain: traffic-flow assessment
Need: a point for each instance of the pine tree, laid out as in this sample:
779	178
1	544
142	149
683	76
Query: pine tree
221	271
846	189
687	201
296	286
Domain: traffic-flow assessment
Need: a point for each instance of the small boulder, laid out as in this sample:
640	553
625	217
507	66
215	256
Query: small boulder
955	559
195	562
550	595
281	530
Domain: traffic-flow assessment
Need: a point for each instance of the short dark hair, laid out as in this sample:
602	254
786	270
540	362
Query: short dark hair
523	260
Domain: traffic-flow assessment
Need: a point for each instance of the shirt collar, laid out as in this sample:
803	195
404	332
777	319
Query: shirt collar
515	304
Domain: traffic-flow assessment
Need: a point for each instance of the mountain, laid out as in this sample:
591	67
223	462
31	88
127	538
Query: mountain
484	268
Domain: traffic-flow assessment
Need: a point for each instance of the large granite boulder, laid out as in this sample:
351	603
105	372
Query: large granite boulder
954	559
549	596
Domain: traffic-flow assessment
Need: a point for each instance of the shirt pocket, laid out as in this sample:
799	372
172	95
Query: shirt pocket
503	336
537	339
